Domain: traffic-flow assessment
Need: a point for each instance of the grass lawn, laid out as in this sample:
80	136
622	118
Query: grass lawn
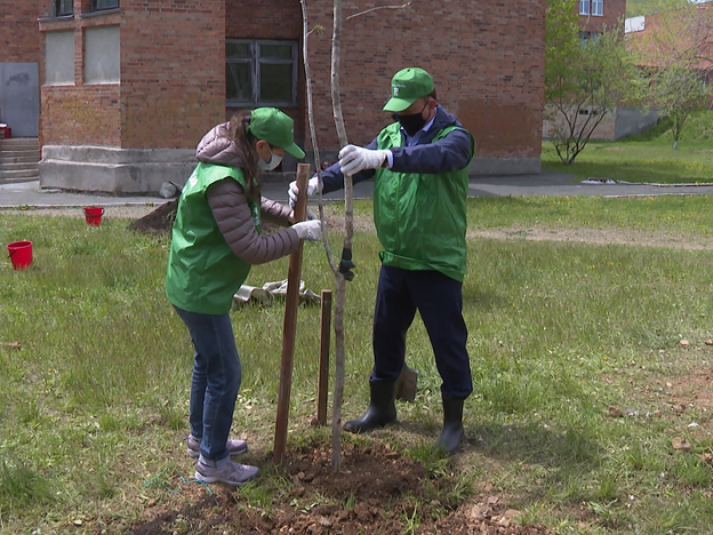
589	414
648	157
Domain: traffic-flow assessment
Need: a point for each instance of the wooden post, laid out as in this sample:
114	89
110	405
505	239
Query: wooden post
289	329
325	328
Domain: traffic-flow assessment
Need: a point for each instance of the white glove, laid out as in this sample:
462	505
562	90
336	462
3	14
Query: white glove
309	230
353	159
310	216
312	188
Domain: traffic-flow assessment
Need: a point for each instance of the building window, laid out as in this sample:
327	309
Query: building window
59	58
104	4
63	8
591	7
598	8
260	73
102	56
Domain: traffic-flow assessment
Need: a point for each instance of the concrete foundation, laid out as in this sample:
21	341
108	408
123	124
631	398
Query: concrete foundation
113	170
631	121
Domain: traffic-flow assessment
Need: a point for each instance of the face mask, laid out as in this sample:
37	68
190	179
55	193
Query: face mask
411	123
272	164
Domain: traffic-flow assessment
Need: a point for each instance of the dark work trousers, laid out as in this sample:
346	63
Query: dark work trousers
439	300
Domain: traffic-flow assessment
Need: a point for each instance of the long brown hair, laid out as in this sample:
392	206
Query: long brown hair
238	134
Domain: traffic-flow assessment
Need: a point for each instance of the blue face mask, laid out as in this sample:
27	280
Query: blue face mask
272	164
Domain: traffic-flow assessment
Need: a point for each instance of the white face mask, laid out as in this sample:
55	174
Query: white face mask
272	164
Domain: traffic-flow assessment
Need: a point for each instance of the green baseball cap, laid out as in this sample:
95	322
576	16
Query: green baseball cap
407	86
275	127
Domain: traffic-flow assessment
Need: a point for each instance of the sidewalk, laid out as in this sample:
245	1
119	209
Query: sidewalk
548	183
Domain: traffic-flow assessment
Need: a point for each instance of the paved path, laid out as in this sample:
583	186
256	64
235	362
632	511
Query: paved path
548	184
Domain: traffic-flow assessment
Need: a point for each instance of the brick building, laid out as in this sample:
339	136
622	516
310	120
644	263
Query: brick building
129	87
598	14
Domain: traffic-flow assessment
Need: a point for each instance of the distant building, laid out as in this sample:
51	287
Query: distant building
126	89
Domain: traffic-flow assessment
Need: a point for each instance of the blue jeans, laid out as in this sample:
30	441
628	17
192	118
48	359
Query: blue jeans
216	380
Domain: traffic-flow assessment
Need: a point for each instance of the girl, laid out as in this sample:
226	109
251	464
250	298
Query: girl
216	239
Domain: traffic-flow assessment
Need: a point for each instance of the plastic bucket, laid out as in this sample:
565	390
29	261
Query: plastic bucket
93	215
20	254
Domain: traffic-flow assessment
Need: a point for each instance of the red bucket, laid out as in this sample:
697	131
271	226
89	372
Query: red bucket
20	254
93	215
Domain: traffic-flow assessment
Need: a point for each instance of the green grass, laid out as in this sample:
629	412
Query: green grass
648	158
95	403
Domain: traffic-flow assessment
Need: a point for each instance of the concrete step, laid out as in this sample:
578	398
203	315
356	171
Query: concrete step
13	156
13	166
19	144
12	174
4	181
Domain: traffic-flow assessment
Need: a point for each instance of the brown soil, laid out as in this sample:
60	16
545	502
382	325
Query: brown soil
159	221
377	492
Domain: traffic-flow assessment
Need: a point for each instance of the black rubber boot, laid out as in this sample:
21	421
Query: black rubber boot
381	411
452	433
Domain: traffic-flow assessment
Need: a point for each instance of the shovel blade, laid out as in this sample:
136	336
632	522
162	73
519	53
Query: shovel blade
406	385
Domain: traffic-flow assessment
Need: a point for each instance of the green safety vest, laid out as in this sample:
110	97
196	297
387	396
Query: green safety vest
203	272
421	218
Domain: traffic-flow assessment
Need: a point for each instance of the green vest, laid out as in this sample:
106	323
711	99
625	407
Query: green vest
203	272
420	218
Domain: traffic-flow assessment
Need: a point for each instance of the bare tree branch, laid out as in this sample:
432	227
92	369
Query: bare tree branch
407	4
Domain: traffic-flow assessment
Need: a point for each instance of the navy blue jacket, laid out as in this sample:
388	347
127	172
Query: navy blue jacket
451	153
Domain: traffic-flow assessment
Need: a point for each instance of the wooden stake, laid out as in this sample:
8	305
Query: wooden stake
325	327
289	329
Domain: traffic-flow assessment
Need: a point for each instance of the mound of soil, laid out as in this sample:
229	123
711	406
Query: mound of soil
378	491
160	221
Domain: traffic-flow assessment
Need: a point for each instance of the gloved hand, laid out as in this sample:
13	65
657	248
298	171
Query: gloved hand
309	230
312	188
310	216
353	159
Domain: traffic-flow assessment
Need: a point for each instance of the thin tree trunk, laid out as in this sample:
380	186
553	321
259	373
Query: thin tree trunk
343	272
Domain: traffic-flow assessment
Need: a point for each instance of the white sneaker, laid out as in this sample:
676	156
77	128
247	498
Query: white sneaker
234	447
230	473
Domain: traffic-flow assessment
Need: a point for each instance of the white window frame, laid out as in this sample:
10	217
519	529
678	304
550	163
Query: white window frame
598	8
255	61
585	7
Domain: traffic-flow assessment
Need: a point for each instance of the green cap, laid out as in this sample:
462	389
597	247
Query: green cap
275	127
407	86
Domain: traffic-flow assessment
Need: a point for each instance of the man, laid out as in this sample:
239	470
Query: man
420	164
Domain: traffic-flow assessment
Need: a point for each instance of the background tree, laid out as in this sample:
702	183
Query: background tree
676	51
586	77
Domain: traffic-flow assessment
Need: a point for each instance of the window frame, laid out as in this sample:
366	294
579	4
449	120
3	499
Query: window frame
587	5
57	4
95	6
255	61
600	5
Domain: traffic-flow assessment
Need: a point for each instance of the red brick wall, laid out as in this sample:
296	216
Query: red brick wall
269	19
172	87
487	60
79	114
172	71
19	40
613	11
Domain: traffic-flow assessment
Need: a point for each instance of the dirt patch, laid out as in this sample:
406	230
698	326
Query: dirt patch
152	219
159	221
598	237
378	491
